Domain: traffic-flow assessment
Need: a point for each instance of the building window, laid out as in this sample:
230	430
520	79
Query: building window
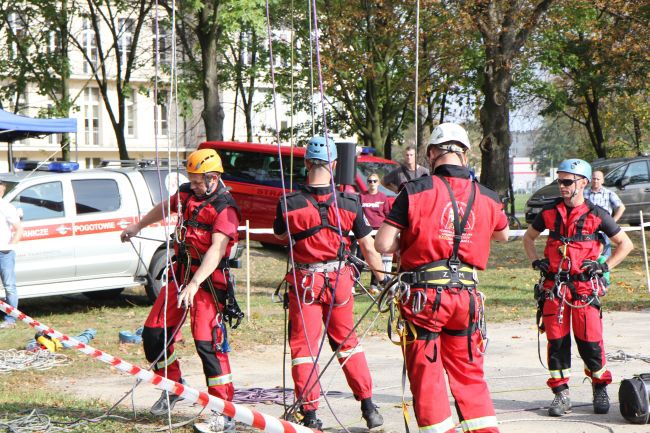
90	47
130	112
53	43
162	108
91	115
17	26
93	162
164	44
125	39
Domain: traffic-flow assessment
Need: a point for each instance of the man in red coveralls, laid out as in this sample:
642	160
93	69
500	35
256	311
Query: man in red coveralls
375	208
206	235
569	296
318	222
442	226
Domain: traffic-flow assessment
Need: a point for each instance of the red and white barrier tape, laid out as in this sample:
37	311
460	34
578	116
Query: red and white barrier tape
239	413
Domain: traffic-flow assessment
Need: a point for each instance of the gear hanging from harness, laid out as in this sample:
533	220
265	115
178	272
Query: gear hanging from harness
563	279
231	311
449	274
307	282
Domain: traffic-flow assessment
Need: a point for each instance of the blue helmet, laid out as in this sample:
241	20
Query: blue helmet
317	149
575	166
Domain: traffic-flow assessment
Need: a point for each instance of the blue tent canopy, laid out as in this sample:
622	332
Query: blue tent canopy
14	127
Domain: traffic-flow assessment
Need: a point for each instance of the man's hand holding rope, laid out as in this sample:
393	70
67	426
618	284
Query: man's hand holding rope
209	263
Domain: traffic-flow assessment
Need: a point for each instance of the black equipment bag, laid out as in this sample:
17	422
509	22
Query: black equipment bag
633	397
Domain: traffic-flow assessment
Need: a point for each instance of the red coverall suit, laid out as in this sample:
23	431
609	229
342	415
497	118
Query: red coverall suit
576	229
221	215
311	295
446	324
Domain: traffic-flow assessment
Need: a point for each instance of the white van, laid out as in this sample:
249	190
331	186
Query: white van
72	222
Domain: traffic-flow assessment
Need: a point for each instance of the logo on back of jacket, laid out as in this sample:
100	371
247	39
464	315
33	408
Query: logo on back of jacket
446	230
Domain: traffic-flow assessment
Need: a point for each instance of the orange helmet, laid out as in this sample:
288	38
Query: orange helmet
204	161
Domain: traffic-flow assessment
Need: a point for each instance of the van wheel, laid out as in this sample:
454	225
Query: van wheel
104	295
156	270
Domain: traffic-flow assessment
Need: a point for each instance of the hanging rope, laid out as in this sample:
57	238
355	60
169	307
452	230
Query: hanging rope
417	75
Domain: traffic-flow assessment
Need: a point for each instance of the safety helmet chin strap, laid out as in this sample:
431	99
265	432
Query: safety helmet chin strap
449	148
575	187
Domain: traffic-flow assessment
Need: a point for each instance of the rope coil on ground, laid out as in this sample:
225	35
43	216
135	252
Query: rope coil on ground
622	356
19	360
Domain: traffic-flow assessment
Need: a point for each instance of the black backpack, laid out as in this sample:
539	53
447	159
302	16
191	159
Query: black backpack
633	397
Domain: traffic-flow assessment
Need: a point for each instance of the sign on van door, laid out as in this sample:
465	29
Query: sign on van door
46	251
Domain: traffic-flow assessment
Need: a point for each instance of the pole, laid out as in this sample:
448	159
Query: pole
645	252
248	271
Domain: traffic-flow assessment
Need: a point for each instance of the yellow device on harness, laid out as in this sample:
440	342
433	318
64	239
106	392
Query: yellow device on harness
48	343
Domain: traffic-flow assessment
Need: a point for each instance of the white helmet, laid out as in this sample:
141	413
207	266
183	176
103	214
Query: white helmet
447	132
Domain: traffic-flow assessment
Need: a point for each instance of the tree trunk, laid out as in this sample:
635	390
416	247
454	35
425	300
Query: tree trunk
495	121
637	134
213	114
121	144
596	127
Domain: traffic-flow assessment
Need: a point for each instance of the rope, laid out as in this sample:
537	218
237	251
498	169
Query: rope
417	74
21	360
239	413
36	422
621	356
579	421
268	395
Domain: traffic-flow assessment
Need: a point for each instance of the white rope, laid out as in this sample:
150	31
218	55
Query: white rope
622	356
417	75
20	360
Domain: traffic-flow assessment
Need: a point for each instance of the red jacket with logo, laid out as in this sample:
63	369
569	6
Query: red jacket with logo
424	213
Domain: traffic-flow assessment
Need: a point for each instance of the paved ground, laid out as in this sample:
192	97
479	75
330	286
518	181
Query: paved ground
516	379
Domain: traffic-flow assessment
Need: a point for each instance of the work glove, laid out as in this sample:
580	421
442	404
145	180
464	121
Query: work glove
232	312
594	268
541	265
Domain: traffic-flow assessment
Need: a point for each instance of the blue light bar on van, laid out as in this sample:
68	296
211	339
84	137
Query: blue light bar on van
63	166
366	150
55	166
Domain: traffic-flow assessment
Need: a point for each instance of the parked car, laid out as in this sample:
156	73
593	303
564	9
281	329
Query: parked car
629	178
72	221
252	171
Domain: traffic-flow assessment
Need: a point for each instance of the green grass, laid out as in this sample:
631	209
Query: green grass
507	284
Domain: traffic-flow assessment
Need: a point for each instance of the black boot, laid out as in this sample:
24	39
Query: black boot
370	413
601	399
310	419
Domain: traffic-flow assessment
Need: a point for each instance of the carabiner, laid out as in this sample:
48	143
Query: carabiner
418	301
307	288
561	294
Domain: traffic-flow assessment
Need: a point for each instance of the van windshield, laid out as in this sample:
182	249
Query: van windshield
262	168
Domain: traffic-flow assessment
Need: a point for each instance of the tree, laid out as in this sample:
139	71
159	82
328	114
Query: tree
504	28
37	37
109	40
593	53
208	24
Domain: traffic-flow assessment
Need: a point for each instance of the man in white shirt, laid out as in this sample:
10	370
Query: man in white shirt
11	231
608	200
